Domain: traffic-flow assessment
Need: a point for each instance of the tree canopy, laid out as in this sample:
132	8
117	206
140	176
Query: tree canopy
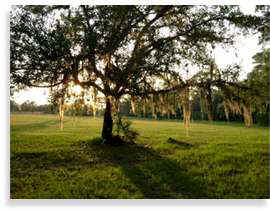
121	50
116	49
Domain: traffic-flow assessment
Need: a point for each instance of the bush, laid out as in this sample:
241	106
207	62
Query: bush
263	119
122	127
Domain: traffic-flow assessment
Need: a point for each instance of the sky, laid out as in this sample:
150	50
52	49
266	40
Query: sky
247	47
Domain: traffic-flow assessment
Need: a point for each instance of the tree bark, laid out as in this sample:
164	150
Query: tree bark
107	122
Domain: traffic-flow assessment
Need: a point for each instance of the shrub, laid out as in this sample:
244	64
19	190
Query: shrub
122	127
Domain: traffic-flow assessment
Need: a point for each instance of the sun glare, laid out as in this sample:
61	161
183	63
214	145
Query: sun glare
76	89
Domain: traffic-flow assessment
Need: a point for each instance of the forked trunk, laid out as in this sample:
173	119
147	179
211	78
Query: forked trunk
108	122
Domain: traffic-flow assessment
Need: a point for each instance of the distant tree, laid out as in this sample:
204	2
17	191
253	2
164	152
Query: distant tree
28	106
259	81
14	107
259	77
59	96
264	27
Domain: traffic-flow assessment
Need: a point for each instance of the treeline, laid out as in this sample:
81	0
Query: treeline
144	110
31	106
198	111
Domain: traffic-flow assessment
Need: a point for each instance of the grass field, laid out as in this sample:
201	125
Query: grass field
216	161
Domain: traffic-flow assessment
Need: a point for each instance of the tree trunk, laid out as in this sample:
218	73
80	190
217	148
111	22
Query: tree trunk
209	106
210	115
108	122
247	115
154	114
209	95
94	112
186	109
226	110
61	113
94	101
116	106
144	108
133	105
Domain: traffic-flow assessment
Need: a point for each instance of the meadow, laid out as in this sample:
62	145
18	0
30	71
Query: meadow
218	160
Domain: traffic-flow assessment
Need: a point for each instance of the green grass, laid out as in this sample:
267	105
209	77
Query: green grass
215	161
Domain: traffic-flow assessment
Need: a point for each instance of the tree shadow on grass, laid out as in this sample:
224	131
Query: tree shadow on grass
182	144
154	175
38	161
